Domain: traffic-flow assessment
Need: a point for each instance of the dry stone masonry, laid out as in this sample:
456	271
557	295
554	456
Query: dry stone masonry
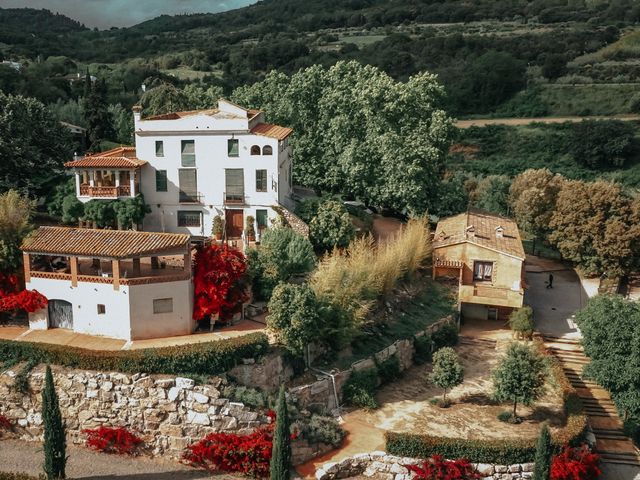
381	466
168	412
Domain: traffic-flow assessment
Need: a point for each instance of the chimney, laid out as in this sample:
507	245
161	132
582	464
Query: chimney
137	113
499	231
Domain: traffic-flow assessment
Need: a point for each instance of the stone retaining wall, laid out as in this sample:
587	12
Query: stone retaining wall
168	412
321	394
381	466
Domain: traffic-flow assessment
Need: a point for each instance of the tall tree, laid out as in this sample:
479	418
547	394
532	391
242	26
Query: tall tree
97	115
543	455
359	132
281	454
519	376
55	443
492	194
532	196
33	146
16	212
331	227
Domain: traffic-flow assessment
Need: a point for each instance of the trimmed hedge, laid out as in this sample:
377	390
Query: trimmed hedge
195	359
504	452
19	476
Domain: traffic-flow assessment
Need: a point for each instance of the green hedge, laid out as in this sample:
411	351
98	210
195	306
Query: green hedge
196	359
19	476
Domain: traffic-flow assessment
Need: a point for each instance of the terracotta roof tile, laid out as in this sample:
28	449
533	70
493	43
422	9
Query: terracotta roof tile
120	157
271	130
481	228
102	243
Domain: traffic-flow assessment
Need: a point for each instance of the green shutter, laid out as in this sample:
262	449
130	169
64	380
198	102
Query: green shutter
261	180
188	152
161	180
233	147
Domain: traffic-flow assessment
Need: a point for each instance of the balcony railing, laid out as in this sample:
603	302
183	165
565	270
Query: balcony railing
108	279
105	192
233	198
186	197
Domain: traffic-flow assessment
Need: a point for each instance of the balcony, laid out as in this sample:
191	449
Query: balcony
487	294
233	198
191	198
105	192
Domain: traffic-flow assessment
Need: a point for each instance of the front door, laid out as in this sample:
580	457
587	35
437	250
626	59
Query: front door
234	222
60	314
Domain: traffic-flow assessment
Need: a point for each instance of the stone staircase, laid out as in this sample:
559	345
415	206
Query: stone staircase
475	341
613	446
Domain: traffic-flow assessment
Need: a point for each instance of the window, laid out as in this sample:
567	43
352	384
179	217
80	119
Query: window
261	219
159	148
267	150
161	180
188	218
163	305
482	271
188	185
233	147
261	180
255	150
101	309
188	150
234	185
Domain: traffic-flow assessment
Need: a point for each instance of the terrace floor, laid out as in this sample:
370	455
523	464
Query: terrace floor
62	336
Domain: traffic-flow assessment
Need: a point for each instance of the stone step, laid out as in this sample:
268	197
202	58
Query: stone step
610	436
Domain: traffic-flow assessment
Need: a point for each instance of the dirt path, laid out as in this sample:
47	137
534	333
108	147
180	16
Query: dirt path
84	464
483	122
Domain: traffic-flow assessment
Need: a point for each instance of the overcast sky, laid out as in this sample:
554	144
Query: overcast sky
124	13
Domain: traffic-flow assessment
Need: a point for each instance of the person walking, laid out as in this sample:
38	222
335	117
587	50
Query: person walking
550	282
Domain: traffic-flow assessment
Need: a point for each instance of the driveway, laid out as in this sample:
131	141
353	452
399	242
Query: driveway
554	308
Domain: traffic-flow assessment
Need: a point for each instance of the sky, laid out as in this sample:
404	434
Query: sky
124	13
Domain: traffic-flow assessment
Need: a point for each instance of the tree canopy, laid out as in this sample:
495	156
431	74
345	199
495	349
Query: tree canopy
359	132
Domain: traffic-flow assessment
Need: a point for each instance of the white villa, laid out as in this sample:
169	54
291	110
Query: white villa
191	166
120	284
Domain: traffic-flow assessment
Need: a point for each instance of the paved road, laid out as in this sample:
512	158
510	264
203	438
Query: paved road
483	122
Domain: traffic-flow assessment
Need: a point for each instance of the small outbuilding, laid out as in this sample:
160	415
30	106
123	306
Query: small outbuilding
121	284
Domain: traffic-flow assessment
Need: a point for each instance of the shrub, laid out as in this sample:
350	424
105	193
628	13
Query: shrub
321	429
445	336
198	359
437	468
247	395
359	389
19	476
601	144
250	228
112	440
447	371
217	228
388	370
521	322
21	380
543	455
331	227
505	416
423	347
248	454
575	464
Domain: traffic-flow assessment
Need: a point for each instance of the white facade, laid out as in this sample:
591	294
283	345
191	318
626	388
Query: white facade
126	313
204	182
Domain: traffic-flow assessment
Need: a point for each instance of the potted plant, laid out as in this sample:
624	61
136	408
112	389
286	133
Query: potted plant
218	228
250	229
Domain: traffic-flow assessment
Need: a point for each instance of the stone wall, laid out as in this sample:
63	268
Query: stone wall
381	466
321	394
266	374
168	412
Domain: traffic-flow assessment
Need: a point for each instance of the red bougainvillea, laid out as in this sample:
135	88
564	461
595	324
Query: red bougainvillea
112	440
575	464
216	281
438	468
12	298
5	424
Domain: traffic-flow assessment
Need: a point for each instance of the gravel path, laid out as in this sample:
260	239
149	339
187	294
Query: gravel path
84	464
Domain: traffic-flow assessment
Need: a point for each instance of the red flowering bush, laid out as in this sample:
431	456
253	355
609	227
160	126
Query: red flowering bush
575	464
12	298
5	424
437	468
216	281
112	440
247	454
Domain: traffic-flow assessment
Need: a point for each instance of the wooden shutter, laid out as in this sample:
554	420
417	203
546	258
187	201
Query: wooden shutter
234	184
188	184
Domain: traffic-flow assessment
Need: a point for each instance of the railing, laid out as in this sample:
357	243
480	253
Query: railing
124	191
196	198
233	198
175	277
105	192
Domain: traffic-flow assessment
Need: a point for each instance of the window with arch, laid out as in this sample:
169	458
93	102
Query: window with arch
267	150
255	150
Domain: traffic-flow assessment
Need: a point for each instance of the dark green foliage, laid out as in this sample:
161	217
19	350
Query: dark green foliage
247	395
544	451
60	193
554	66
388	370
505	416
331	227
100	213
423	346
521	322
321	429
445	336
130	212
601	144
72	209
281	454
97	115
359	389
121	214
21	380
492	194
447	371
200	358
307	208
55	444
632	430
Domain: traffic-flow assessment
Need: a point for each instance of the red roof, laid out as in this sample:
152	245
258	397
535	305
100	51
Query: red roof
271	130
120	157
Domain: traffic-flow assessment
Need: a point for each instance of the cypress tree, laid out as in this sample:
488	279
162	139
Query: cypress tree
543	455
55	447
281	454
